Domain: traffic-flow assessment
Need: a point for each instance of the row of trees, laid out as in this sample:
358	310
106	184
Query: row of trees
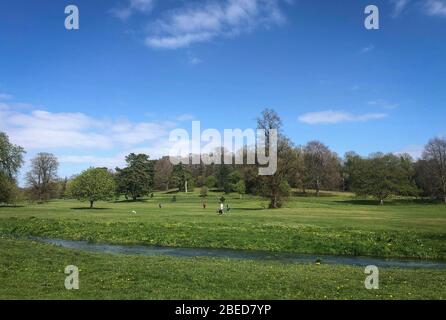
312	166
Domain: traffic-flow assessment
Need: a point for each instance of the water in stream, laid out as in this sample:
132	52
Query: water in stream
243	254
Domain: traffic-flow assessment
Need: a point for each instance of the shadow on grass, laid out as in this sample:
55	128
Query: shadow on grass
312	194
131	201
248	209
172	192
88	208
390	202
11	206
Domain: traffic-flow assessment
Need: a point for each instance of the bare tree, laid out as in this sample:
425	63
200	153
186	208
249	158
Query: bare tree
435	152
276	186
42	177
322	167
163	171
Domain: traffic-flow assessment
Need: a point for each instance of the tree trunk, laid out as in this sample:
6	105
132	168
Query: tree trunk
381	202
91	204
317	188
273	204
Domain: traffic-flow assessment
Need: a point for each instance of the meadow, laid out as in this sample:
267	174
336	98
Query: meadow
334	223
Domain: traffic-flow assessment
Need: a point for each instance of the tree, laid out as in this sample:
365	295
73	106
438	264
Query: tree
322	167
181	177
381	176
9	192
137	178
204	192
11	157
200	181
271	184
348	165
435	154
11	160
210	182
163	170
429	183
94	184
223	173
42	178
240	188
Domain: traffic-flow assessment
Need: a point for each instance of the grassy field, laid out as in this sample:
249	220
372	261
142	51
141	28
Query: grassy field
331	224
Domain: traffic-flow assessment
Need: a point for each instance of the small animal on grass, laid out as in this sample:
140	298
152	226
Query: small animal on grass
134	212
159	205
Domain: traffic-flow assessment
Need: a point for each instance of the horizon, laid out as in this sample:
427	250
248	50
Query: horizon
136	70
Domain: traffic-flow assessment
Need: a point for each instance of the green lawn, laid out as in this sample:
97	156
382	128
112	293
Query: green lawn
330	224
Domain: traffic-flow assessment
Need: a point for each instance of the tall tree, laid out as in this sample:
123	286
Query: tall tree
181	178
137	178
9	191
435	152
42	177
163	170
11	160
11	157
272	185
322	167
94	184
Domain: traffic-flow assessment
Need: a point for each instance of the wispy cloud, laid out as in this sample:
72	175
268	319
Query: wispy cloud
194	60
436	8
132	6
203	22
399	7
415	151
333	117
384	104
368	49
5	96
185	117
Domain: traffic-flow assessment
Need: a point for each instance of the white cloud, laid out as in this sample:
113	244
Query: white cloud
40	130
142	6
185	117
436	8
383	104
415	151
5	96
367	49
332	117
94	161
156	151
194	60
399	6
203	22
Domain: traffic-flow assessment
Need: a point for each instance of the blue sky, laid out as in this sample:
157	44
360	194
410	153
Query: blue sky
136	69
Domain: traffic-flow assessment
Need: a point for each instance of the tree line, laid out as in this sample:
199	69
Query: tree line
312	166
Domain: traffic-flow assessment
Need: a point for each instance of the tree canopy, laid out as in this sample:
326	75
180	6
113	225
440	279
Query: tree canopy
137	179
94	184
